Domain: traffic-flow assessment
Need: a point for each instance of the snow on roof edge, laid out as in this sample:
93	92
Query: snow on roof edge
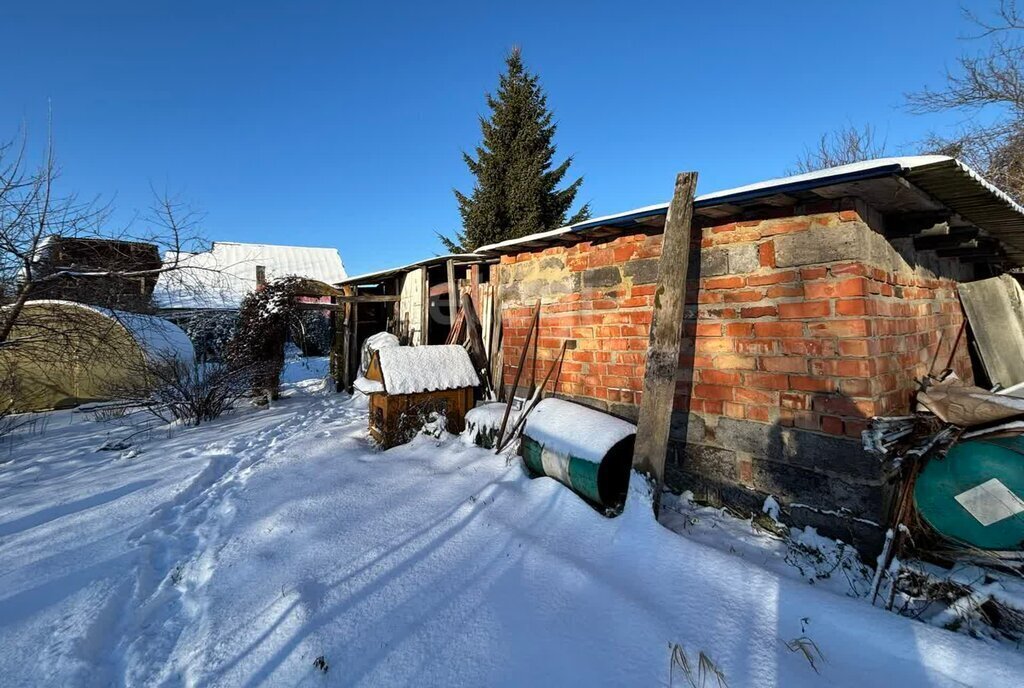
402	268
903	163
158	338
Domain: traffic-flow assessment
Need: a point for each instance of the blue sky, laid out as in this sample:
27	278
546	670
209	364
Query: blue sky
341	124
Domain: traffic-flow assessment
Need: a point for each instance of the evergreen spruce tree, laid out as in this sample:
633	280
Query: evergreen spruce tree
516	185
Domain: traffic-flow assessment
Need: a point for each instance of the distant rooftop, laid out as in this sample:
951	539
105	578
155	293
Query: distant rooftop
221	277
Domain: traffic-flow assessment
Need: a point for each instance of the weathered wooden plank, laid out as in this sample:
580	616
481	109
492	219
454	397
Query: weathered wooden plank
476	344
342	300
345	379
666	332
453	292
425	309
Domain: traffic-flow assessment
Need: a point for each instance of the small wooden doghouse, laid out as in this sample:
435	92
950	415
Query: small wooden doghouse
408	384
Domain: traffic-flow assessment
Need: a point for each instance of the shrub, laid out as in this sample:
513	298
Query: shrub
210	332
193	393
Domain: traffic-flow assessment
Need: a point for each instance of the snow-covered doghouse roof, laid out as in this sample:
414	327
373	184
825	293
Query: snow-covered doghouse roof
923	185
415	369
221	277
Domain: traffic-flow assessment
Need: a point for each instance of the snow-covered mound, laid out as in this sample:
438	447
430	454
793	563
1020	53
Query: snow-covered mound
381	340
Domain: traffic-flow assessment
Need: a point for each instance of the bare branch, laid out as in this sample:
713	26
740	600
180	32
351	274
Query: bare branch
841	147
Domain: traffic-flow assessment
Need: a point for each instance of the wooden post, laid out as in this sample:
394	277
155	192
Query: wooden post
425	308
666	332
453	293
345	378
474	285
337	346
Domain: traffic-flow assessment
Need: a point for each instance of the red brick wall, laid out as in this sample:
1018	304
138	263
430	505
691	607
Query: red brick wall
598	295
818	346
813	321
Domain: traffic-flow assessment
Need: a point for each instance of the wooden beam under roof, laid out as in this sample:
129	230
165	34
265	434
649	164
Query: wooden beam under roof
951	240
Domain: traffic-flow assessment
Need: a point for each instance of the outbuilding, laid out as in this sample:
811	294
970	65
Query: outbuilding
813	302
62	353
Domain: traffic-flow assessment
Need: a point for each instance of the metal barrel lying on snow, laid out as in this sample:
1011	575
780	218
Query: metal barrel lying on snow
588	451
973	495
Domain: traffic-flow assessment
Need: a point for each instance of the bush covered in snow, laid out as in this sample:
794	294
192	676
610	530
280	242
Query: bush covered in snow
261	333
210	332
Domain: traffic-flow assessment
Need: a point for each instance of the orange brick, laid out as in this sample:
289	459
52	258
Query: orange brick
857	387
795	400
811	384
805	309
743	295
734	362
729	282
780	291
785	226
778	329
719	377
758	413
849	269
854	428
766	254
755	396
712	345
709	330
808	347
766	380
856	286
756	346
737	329
715	392
813	273
758	311
832	425
852	307
854	347
732	410
771	278
784	364
840	328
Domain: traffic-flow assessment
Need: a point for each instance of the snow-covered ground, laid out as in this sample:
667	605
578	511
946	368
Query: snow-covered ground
275	543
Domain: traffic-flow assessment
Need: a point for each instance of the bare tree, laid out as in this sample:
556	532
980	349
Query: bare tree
988	87
35	220
841	147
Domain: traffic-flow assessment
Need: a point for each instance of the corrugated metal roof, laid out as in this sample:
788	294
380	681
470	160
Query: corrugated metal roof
970	195
220	278
380	275
947	180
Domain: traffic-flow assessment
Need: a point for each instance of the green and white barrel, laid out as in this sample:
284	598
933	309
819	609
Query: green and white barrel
975	494
588	451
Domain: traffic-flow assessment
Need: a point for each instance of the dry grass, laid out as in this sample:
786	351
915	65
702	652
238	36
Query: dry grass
706	668
809	649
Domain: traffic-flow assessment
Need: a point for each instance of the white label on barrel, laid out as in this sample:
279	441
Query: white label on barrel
990	502
555	465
